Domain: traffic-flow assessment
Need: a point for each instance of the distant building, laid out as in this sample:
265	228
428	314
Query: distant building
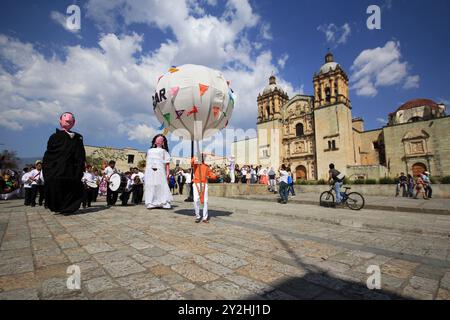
307	133
127	158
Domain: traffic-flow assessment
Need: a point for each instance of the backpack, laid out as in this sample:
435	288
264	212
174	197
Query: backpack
339	177
289	179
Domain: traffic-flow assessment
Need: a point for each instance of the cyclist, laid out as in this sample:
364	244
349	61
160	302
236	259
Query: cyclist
337	179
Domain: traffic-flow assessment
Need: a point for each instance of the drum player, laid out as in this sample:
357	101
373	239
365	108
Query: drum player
111	196
137	182
90	186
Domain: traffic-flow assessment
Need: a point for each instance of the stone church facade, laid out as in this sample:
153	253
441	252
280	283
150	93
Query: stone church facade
307	133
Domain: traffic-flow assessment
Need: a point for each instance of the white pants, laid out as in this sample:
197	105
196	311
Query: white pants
232	176
197	201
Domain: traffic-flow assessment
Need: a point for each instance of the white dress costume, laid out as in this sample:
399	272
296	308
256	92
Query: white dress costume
157	193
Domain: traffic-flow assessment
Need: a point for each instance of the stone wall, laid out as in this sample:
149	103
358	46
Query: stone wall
238	189
366	172
426	142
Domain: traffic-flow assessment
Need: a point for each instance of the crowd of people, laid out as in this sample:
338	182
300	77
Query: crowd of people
65	182
411	187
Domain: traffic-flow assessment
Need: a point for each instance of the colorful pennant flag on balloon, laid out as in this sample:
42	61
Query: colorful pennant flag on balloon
179	113
162	127
168	118
203	89
226	124
194	110
174	92
160	78
166	131
216	112
173	69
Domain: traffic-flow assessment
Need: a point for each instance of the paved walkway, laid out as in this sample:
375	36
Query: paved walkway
433	206
250	250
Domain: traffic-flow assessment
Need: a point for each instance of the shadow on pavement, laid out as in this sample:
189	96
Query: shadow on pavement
318	284
211	213
82	211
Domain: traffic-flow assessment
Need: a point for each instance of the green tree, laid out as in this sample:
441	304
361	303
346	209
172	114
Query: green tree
9	159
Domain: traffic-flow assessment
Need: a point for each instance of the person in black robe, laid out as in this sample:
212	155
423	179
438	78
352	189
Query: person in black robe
63	167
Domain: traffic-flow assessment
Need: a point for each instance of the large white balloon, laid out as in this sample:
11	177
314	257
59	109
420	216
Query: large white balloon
190	100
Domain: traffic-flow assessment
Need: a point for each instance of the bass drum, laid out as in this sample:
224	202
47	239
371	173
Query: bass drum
114	182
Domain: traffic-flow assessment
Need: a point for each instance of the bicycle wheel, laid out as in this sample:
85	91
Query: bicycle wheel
355	201
326	199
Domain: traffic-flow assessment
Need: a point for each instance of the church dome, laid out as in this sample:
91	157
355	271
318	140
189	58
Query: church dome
416	103
272	86
417	110
329	65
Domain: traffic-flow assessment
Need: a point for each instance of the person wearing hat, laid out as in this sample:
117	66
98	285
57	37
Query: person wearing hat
427	180
37	183
63	168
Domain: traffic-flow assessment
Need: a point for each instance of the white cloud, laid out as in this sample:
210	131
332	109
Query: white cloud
265	31
412	82
381	67
141	133
335	35
282	60
382	121
109	87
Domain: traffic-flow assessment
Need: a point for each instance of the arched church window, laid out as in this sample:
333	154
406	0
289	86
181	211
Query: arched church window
328	94
299	130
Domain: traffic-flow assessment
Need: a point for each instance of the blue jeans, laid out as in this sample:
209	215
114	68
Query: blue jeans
284	191
291	190
337	189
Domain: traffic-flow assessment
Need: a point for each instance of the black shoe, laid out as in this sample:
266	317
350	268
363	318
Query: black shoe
198	220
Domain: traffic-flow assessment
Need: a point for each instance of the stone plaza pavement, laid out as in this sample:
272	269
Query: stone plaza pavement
250	250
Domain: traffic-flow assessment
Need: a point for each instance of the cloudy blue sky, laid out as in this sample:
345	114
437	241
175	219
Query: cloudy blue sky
106	72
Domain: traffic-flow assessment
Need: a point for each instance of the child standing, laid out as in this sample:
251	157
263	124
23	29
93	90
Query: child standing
201	174
125	196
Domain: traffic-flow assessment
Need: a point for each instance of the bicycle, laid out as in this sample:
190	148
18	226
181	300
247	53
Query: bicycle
354	200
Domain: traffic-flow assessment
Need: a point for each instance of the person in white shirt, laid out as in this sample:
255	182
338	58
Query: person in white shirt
111	196
125	196
37	184
284	184
98	179
244	174
181	180
188	182
89	181
137	183
26	181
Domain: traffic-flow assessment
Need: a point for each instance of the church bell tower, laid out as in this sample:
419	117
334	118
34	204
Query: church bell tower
333	119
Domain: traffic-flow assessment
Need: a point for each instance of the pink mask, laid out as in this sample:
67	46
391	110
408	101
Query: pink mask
67	121
159	142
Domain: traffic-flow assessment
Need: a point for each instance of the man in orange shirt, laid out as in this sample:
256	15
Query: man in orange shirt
200	188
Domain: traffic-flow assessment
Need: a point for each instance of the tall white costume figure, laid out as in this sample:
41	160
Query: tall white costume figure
157	193
231	159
